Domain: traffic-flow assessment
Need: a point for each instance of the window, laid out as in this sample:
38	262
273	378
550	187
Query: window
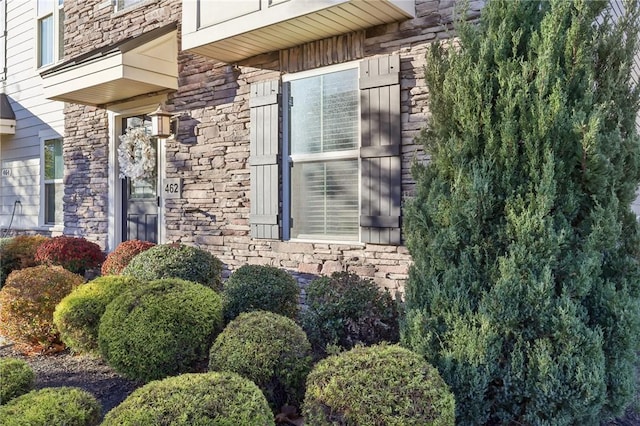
324	148
50	29
123	4
53	188
325	154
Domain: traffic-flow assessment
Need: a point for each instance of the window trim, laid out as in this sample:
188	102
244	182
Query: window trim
58	36
45	136
289	159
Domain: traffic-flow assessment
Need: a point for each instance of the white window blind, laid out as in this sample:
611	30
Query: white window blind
324	153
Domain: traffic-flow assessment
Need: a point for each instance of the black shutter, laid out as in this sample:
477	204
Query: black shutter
264	145
380	150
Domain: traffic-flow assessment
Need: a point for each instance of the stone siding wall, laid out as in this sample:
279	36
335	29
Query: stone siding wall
211	149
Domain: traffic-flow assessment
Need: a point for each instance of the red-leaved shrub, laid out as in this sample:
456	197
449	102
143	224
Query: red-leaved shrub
75	254
27	302
19	253
118	259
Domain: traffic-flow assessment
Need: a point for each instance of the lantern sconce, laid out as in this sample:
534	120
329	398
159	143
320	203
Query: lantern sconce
161	121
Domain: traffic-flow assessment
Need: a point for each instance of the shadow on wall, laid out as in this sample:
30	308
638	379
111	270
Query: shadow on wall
20	155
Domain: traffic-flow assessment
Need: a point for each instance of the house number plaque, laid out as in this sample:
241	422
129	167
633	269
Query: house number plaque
172	188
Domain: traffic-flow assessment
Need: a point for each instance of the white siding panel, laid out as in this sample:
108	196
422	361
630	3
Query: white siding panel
34	114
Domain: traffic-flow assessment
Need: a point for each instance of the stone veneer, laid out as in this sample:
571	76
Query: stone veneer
211	149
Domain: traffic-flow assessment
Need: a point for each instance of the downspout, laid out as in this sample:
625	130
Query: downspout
3	72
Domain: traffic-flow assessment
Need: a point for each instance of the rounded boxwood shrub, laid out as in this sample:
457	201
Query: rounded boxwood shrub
77	316
176	261
118	259
270	350
27	302
159	329
377	385
75	254
257	287
18	253
194	399
52	406
17	378
346	310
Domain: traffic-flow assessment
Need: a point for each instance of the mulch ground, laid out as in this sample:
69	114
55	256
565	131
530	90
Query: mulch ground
89	373
95	376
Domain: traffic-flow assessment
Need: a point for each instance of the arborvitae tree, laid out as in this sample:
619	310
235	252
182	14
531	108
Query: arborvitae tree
525	287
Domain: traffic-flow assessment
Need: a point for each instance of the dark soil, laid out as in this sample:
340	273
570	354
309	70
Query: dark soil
94	375
89	373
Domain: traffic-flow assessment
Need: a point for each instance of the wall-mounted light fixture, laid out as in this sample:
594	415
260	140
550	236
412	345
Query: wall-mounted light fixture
160	123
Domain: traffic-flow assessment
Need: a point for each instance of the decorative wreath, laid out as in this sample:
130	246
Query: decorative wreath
136	155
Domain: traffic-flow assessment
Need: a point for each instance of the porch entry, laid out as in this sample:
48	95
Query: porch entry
140	200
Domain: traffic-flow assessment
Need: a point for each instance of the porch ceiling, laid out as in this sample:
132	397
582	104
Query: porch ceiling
142	65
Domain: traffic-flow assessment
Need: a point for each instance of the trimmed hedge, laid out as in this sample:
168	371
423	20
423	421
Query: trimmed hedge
194	399
159	329
75	254
269	349
257	287
77	316
52	406
16	378
27	302
346	310
118	259
18	253
378	385
177	261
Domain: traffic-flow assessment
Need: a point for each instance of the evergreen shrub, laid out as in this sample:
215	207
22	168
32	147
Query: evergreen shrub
18	253
377	385
75	254
269	349
177	261
258	287
525	284
118	259
194	399
17	378
27	302
345	310
66	406
161	328
77	316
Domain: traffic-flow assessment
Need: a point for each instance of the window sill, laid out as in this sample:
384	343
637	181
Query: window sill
316	241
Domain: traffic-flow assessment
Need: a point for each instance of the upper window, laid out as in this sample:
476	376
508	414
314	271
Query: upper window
324	144
53	187
123	4
50	31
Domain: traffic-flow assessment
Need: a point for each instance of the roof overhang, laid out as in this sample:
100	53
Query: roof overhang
136	66
7	116
261	26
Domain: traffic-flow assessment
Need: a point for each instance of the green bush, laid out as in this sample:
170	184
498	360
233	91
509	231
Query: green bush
159	329
18	253
194	399
77	316
256	287
345	310
75	254
27	302
377	385
16	378
269	349
177	261
52	406
118	259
